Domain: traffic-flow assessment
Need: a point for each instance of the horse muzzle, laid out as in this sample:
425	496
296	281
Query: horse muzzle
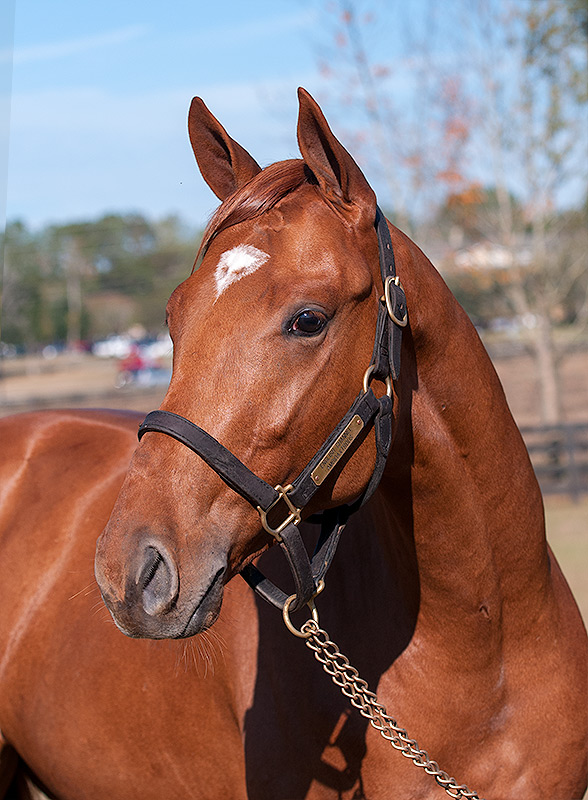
145	595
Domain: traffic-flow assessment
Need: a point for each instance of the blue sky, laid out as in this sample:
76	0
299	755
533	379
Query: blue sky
100	94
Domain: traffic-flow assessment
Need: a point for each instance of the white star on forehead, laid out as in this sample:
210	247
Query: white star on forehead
235	264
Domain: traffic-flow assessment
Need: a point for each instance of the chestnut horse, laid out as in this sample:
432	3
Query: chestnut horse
443	591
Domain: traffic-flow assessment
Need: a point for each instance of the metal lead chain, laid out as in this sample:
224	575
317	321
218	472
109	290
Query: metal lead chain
356	689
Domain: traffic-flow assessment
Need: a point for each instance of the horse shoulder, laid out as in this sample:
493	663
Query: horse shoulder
46	434
60	472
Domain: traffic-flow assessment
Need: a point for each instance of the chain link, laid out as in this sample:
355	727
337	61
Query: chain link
347	678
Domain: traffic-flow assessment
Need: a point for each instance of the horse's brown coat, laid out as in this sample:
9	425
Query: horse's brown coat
443	592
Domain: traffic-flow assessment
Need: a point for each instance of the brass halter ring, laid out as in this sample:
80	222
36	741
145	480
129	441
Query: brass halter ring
393	279
368	377
310	604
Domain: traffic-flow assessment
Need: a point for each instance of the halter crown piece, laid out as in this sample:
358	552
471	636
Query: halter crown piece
280	508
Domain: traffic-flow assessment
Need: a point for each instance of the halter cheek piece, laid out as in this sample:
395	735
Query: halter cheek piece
280	508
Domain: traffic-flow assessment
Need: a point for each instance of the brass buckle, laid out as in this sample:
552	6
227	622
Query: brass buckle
402	323
293	516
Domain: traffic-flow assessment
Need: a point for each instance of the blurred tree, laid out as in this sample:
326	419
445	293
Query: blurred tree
406	112
532	100
481	273
23	321
128	255
500	94
467	216
89	279
75	267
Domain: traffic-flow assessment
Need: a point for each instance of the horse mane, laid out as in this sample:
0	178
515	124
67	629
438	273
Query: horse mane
260	194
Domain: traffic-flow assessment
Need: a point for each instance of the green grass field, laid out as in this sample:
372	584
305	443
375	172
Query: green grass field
567	532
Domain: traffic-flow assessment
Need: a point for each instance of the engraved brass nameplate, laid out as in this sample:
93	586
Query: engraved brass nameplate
337	450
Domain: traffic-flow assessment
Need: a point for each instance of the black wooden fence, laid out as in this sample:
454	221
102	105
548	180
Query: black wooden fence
559	454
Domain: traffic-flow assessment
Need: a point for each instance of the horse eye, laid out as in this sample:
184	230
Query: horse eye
308	323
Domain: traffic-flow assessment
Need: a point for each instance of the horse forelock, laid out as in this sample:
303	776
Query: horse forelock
260	194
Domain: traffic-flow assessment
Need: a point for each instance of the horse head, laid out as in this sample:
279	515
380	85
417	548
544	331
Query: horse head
272	335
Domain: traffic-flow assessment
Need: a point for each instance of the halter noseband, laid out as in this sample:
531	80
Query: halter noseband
280	508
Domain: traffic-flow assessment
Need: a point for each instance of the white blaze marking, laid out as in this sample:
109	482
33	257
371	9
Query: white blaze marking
235	264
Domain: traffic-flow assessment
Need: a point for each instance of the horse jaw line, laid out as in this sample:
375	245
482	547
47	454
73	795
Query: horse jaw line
234	264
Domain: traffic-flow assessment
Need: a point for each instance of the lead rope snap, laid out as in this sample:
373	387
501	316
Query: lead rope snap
347	678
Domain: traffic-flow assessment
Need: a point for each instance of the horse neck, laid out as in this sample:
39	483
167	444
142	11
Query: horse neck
459	485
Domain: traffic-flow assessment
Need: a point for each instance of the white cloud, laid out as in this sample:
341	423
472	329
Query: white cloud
69	47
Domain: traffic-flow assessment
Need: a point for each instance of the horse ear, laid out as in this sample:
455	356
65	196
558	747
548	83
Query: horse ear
338	176
224	164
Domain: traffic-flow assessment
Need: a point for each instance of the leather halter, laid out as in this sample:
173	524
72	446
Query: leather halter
280	508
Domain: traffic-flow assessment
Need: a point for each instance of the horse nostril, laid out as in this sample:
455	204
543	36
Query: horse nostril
158	582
